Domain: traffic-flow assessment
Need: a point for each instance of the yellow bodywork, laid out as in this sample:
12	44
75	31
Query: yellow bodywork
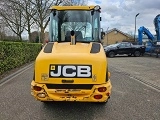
71	94
66	54
72	7
72	72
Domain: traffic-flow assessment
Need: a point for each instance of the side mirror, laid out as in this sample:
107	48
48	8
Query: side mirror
102	35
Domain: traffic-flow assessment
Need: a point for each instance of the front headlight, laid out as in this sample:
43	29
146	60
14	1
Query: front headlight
106	49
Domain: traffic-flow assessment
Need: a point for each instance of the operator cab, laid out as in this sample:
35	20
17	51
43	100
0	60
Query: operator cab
83	24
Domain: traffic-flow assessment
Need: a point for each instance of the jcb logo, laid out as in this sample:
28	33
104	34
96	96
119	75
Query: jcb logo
70	71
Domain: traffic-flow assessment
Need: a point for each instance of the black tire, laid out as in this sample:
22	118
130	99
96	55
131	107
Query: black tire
129	55
111	54
46	102
157	55
137	53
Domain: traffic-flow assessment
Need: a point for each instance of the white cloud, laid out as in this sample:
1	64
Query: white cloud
120	14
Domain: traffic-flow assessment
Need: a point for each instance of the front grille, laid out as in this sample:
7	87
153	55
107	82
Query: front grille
69	86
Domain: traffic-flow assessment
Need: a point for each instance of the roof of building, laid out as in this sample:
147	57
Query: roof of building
115	29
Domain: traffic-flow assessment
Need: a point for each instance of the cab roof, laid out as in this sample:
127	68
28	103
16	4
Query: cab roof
72	7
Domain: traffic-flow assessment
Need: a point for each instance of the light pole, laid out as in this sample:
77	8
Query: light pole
135	28
107	36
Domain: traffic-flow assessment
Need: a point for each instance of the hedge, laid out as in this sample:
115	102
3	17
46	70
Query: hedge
15	54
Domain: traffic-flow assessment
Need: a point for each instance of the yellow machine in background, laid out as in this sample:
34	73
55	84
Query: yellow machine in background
72	66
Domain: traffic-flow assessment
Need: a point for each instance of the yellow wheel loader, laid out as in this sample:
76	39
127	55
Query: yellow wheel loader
72	65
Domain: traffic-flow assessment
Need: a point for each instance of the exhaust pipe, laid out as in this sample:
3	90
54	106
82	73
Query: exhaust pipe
73	40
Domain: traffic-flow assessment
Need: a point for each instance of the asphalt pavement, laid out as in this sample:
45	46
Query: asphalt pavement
145	69
132	98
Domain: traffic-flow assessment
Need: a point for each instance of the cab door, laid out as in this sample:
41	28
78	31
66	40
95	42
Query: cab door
124	48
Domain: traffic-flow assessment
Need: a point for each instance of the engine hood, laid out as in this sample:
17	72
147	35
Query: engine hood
62	62
109	48
65	49
138	46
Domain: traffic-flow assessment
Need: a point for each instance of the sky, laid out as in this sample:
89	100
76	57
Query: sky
121	14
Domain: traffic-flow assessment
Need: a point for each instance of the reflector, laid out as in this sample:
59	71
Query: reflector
97	96
102	89
37	88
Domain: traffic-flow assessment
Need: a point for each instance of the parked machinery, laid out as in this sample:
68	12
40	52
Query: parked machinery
157	26
153	45
149	44
72	66
157	29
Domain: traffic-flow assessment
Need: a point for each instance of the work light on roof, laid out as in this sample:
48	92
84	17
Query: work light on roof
97	7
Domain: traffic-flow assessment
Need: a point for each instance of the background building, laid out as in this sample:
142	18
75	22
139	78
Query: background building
114	35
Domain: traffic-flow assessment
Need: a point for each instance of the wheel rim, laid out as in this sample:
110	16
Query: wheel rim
111	54
137	53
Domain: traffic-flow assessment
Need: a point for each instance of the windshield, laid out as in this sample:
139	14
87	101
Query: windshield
85	26
114	45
